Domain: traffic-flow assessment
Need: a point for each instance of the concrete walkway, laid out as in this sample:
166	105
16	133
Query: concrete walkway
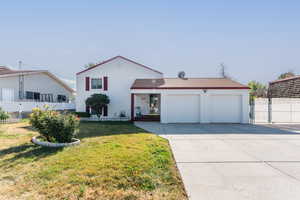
234	162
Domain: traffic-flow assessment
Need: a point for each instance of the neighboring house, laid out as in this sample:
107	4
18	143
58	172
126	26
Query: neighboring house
285	88
143	93
32	85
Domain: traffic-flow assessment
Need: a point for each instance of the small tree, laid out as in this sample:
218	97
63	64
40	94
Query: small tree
3	115
89	65
286	75
97	102
257	90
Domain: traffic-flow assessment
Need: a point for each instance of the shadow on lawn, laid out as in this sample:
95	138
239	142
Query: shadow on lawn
96	129
25	153
29	152
28	128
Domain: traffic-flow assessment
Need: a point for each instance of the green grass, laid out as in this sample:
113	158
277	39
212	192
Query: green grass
115	160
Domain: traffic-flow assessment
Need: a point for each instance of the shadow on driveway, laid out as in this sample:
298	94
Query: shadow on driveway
191	128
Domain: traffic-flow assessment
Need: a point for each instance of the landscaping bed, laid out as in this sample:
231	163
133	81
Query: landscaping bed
115	160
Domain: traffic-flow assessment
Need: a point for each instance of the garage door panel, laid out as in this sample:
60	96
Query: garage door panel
182	108
226	108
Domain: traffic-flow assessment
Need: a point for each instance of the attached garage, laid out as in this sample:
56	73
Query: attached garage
226	108
198	100
182	108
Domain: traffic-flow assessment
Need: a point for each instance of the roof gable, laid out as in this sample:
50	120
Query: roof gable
111	59
6	72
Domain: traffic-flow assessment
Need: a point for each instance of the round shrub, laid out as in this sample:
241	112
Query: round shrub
3	115
55	127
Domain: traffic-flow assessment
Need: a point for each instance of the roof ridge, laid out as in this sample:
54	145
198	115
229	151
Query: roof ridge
113	58
3	67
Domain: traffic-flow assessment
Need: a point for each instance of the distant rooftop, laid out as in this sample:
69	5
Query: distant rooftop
286	79
5	71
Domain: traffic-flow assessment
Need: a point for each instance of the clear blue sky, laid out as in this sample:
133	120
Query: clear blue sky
257	40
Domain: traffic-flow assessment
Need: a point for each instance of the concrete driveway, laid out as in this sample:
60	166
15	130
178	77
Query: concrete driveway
232	161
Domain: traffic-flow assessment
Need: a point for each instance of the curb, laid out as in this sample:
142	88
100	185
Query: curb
55	145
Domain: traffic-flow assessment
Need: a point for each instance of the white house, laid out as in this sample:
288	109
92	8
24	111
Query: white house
28	86
143	93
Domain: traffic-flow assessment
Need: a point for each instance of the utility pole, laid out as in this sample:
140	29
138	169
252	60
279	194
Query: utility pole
21	82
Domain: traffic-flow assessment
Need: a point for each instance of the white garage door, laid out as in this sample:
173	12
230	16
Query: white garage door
226	108
182	108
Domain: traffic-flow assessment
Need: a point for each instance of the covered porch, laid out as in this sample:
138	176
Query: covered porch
145	107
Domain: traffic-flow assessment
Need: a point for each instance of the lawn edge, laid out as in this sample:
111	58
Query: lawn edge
172	154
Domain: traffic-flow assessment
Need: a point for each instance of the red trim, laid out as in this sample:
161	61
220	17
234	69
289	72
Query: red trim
87	83
132	107
191	88
106	61
105	83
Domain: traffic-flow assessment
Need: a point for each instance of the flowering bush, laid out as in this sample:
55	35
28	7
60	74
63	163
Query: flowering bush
55	127
3	115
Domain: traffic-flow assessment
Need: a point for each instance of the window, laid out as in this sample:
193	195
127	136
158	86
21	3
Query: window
36	96
29	95
96	83
33	95
61	98
46	97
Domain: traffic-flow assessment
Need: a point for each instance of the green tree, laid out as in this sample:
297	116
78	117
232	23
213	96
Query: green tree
286	75
97	102
257	90
89	65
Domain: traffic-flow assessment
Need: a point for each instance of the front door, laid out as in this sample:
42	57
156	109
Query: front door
154	103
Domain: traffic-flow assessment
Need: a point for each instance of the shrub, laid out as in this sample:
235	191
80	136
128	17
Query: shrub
82	114
3	115
55	127
97	102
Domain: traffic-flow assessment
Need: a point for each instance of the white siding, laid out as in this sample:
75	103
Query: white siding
36	83
7	94
28	106
121	75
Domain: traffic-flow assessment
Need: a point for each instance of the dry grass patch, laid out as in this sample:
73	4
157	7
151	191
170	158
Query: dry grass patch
114	161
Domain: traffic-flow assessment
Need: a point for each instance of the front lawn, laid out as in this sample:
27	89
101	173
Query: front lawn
115	161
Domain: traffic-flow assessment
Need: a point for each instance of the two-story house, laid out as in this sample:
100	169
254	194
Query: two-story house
142	93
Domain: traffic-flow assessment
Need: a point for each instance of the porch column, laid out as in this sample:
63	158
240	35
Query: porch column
132	107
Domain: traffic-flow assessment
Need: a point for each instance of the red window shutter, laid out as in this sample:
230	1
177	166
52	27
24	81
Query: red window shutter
105	111
87	83
105	79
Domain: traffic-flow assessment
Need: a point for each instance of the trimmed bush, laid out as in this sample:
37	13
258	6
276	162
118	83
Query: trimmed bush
3	115
97	102
55	127
82	114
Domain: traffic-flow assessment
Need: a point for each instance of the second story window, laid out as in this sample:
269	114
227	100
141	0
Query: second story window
96	83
